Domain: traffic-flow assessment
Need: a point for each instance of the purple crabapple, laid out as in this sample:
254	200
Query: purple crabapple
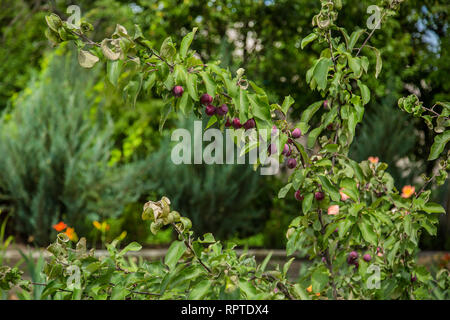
249	124
206	99
367	257
319	195
236	123
296	133
352	258
177	91
222	110
228	123
292	163
210	110
298	195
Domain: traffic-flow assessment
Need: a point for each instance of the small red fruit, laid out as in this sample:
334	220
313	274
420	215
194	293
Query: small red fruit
352	258
249	124
210	110
292	163
286	150
222	110
319	195
236	123
206	99
367	257
177	91
296	133
298	195
325	104
228	123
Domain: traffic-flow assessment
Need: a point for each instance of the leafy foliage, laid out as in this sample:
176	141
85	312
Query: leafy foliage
58	150
348	209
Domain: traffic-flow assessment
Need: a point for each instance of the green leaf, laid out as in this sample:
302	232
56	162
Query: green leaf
119	293
209	83
350	189
287	265
439	144
312	136
354	38
186	104
259	91
243	104
191	83
266	261
113	69
432	207
354	64
302	151
307	203
357	170
319	279
287	103
320	73
308	39
207	238
367	232
168	50
165	111
211	121
283	191
174	253
379	64
186	42
330	188
310	111
343	227
365	92
200	290
298	179
259	107
134	246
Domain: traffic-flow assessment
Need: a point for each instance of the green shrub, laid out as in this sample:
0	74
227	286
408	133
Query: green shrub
55	151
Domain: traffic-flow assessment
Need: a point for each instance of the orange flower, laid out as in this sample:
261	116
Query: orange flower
309	289
344	197
408	191
373	160
333	210
70	232
60	226
97	225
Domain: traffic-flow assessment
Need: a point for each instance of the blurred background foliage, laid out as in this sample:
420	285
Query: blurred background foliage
231	201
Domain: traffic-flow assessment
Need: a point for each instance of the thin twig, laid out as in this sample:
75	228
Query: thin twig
186	242
371	34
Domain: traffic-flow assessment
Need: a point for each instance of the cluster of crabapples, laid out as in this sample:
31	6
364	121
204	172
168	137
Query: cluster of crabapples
222	111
